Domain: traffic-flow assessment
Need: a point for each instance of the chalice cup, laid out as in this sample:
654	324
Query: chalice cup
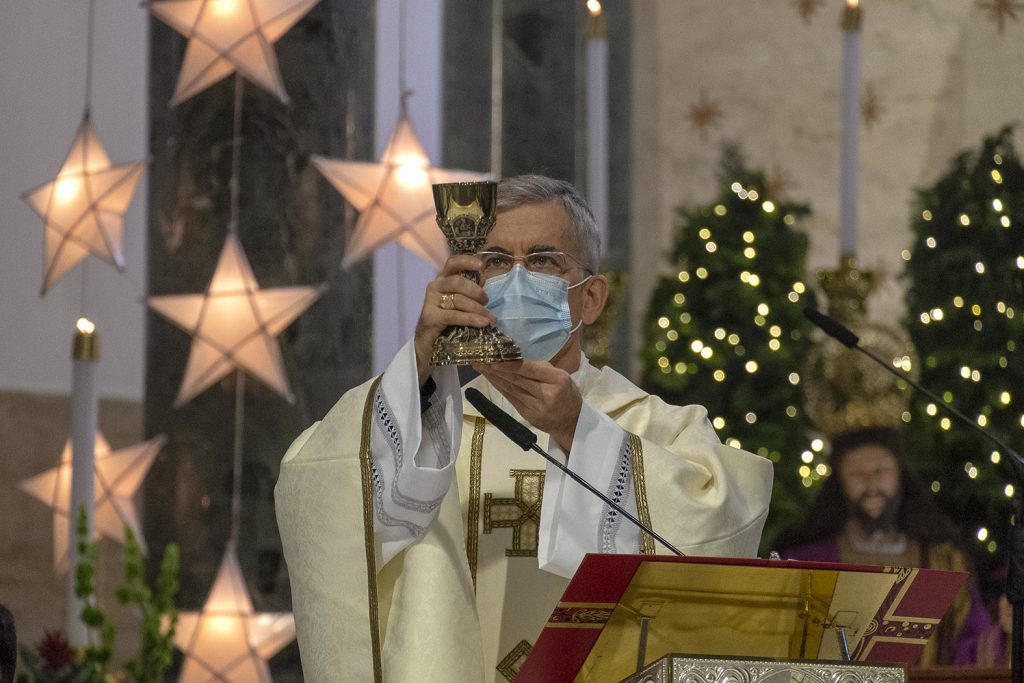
466	214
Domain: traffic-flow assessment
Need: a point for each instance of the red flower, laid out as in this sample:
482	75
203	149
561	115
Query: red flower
55	650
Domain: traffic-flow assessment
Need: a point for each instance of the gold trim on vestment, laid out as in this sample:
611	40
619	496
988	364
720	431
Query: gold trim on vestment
371	557
476	453
527	481
636	450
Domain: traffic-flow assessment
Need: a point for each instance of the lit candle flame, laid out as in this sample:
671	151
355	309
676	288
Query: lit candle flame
85	326
852	4
594	6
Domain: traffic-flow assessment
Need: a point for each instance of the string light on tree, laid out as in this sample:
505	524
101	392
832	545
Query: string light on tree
961	320
737	330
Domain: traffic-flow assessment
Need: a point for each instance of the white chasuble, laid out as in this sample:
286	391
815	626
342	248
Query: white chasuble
423	545
513	597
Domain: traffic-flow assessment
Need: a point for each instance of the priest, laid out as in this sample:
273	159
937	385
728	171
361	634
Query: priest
424	545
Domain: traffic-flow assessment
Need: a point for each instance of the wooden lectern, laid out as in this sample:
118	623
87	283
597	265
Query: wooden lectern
656	619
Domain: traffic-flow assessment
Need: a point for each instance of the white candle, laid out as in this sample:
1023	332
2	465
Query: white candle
597	117
84	411
850	129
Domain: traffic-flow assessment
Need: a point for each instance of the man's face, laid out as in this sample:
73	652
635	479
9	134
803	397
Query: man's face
546	226
535	227
870	479
538	227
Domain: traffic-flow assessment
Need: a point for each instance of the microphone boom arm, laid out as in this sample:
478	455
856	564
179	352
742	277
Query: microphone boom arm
1014	455
843	335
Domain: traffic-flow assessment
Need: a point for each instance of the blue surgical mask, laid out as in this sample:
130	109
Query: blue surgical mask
532	309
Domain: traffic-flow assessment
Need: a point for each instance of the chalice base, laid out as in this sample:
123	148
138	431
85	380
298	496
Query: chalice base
471	345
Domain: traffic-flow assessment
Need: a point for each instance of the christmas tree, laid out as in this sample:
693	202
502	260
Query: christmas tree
726	330
965	274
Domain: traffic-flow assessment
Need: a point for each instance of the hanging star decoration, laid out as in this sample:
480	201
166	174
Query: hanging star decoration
225	36
807	8
235	324
393	197
227	640
999	10
84	206
704	114
871	106
118	477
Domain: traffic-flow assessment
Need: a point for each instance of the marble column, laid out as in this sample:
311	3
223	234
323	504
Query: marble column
293	228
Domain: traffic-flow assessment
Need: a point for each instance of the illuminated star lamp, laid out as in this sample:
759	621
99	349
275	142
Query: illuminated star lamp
393	197
118	477
225	36
227	640
84	206
235	324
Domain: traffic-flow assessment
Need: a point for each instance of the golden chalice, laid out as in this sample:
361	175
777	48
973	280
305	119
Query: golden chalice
466	214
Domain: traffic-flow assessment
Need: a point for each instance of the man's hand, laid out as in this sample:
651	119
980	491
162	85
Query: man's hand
543	394
450	299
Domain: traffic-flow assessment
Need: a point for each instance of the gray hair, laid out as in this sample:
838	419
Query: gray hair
537	189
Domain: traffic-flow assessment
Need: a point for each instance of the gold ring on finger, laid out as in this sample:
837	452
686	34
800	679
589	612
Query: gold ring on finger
447	301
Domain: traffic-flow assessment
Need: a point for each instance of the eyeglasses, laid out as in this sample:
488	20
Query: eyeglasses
545	262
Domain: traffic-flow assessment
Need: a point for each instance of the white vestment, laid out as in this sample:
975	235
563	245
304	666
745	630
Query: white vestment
417	543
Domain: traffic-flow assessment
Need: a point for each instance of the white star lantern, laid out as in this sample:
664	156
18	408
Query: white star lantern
84	206
235	324
227	640
118	477
225	36
393	197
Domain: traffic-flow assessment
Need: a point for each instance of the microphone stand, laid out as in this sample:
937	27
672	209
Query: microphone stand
527	440
1015	552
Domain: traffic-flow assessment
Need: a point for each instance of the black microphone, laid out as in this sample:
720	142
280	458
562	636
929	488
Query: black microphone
527	440
831	327
506	424
844	336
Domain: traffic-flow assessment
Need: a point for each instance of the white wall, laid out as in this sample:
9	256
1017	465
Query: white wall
42	93
399	276
944	74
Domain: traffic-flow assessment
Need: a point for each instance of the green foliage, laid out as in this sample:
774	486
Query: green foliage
965	303
159	616
55	661
95	657
727	331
